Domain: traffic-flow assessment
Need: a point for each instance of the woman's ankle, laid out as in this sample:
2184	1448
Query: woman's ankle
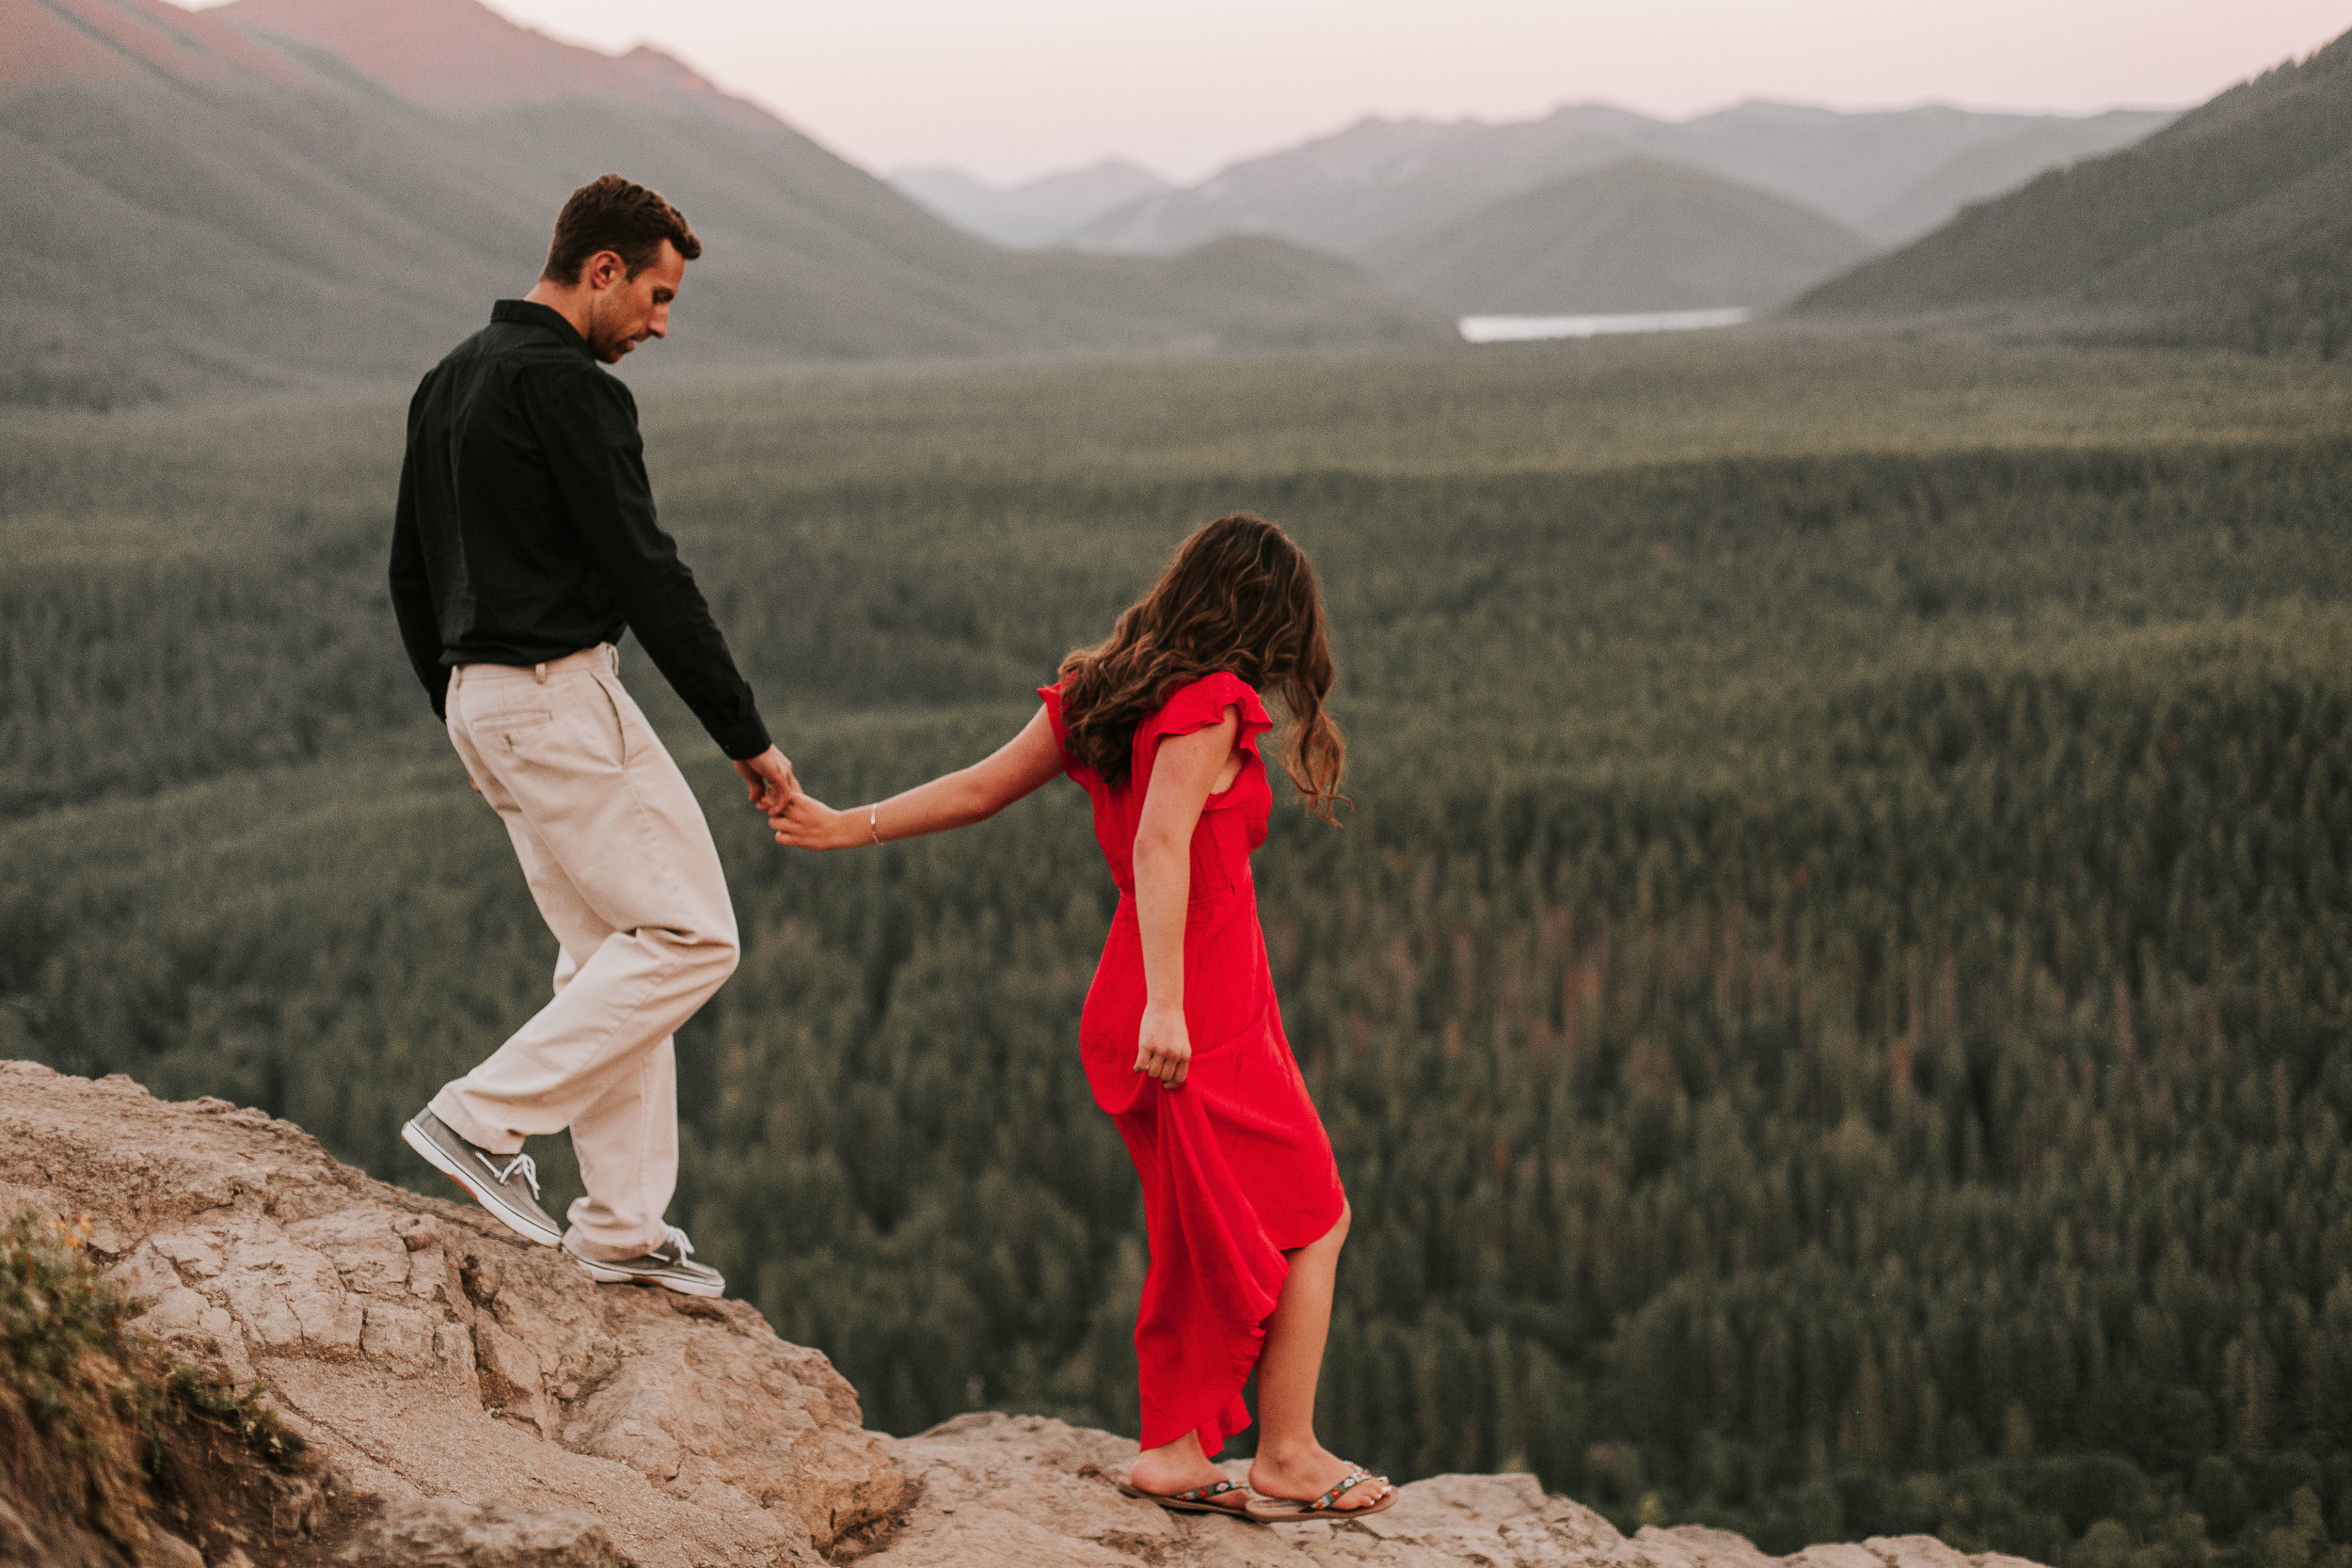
1284	1455
1180	1458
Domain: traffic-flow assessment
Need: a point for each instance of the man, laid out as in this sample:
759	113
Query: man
524	544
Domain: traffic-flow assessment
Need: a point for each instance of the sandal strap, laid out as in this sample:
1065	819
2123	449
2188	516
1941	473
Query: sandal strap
1354	1478
1202	1493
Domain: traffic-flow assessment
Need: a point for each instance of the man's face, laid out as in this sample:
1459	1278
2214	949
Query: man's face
624	311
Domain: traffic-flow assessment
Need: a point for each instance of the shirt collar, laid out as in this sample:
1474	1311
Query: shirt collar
531	312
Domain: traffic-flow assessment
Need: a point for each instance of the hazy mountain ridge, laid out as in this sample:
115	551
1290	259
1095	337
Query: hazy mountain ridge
2231	225
1640	234
453	57
1379	180
1036	212
205	202
1373	178
2003	165
180	238
54	41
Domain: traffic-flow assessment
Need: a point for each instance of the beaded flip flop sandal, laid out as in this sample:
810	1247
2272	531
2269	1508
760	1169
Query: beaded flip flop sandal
1222	1496
1272	1509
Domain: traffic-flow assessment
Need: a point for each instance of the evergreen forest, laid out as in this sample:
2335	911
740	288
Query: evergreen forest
1830	1000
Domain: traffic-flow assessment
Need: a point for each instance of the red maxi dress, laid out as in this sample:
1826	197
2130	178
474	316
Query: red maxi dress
1236	1167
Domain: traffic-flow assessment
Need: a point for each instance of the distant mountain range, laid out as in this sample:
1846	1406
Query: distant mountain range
282	192
1637	235
1473	211
290	193
1037	212
2233	225
1889	176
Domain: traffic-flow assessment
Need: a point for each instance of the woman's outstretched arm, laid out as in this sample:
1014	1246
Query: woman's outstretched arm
1020	766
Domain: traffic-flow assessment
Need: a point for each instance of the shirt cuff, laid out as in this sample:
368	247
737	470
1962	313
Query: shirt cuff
744	741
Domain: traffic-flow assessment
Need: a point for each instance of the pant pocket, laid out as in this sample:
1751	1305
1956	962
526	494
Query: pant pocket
509	722
614	704
582	736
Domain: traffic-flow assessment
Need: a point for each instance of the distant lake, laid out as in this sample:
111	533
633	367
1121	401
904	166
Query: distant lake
1517	329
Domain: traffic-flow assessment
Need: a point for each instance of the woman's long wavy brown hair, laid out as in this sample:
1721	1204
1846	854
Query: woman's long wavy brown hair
1239	598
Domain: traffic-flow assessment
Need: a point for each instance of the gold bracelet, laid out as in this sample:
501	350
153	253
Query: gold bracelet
873	827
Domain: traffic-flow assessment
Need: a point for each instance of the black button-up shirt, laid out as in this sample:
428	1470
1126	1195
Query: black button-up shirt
526	526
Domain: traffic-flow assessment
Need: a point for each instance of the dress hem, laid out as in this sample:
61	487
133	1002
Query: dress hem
1255	1334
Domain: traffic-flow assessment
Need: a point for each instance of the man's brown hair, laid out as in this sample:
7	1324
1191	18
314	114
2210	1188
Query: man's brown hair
620	215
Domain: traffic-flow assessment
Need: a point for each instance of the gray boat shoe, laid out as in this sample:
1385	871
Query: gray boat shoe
670	1265
505	1184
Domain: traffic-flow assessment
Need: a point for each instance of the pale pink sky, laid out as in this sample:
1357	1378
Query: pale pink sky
1009	88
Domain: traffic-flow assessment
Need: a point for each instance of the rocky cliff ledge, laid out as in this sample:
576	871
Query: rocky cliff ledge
484	1403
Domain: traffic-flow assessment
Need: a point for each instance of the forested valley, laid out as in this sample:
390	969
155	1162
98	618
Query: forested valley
1831	1001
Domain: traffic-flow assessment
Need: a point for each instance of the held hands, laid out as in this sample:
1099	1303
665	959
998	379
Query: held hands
767	777
806	822
1164	1046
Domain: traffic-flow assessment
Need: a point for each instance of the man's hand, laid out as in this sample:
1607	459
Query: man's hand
769	778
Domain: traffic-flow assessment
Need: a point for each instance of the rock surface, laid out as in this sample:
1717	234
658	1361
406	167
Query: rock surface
442	1532
503	1412
427	1353
1022	1491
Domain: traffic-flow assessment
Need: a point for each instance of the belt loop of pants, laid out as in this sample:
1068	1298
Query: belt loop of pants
608	653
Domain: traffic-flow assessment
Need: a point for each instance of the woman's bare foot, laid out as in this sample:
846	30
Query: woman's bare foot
1308	1474
1174	1467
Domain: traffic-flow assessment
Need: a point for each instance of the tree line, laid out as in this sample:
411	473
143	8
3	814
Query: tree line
1830	1004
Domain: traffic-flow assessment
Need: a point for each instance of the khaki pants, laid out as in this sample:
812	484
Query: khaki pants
620	860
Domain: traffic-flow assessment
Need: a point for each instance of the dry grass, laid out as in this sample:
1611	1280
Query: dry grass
111	1440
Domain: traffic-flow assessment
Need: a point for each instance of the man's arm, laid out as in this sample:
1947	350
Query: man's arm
588	424
412	593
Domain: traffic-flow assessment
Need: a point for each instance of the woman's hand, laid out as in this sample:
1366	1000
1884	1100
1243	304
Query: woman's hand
972	794
1164	1047
807	823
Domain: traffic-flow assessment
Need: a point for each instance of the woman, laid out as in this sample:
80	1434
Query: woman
1182	1037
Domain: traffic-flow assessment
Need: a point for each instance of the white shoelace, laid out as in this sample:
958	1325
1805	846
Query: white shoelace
519	1162
685	1247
